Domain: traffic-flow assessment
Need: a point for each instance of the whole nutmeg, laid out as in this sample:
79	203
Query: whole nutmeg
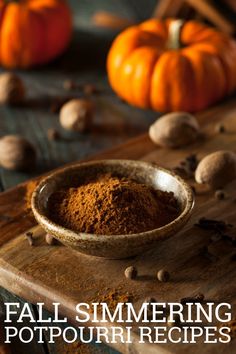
217	169
12	89
131	272
17	153
174	130
53	134
219	194
163	275
77	115
69	85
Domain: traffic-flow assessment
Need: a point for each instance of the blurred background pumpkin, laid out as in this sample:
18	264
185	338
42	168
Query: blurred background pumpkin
33	32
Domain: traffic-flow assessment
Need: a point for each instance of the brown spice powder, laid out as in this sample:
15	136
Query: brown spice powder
112	206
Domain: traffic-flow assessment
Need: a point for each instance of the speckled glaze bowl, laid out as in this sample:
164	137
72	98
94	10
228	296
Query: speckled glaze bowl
117	246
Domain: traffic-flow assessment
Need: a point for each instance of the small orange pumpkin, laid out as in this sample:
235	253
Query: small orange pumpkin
33	32
171	66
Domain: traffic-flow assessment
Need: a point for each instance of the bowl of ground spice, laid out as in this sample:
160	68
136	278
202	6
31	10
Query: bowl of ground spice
112	208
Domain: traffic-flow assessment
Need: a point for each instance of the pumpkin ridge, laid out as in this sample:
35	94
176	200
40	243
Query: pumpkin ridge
182	94
150	81
198	32
198	102
43	27
138	84
3	9
224	66
156	81
24	56
9	35
131	33
151	23
125	58
193	105
213	79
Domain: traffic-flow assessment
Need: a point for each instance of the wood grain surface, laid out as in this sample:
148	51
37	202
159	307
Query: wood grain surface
57	273
115	123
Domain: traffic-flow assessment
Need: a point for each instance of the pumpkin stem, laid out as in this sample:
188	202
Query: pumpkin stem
174	34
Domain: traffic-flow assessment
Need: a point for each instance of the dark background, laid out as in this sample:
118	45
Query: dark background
84	62
134	9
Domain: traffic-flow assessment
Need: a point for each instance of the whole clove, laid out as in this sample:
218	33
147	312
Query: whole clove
190	162
187	167
150	300
213	225
204	251
180	171
69	85
219	194
197	298
90	89
220	128
219	228
53	134
176	320
29	236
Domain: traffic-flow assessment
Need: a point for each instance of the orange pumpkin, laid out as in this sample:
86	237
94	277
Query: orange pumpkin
169	65
33	32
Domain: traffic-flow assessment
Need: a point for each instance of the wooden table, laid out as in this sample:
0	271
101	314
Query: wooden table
58	273
115	122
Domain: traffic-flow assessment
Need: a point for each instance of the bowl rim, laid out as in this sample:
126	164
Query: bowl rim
42	219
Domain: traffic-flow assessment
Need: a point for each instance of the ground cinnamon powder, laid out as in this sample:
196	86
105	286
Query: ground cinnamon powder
112	206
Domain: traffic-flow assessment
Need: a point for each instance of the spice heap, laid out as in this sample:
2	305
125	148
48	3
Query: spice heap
112	206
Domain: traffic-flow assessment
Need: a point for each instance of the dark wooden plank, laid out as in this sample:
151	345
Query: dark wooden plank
114	122
16	345
61	347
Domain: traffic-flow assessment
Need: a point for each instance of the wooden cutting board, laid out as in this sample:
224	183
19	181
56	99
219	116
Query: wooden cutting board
56	273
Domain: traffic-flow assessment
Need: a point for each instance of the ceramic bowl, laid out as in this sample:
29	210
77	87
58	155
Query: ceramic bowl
113	246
